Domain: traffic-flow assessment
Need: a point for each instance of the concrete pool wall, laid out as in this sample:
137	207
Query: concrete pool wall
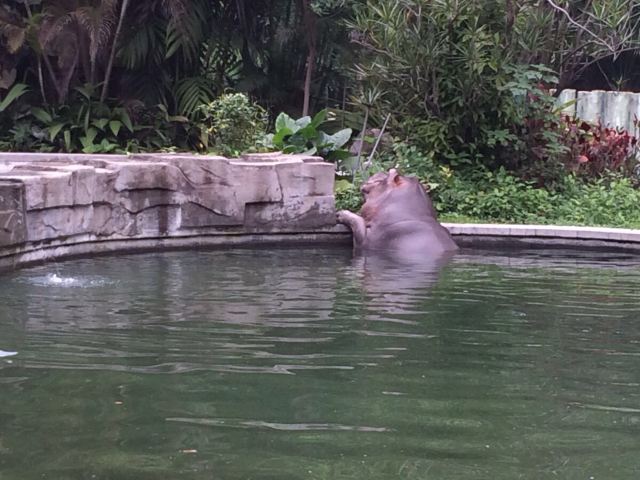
60	205
57	205
544	236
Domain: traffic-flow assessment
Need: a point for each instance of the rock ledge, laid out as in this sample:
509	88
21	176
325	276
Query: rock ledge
50	202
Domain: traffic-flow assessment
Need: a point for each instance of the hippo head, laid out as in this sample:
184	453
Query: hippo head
394	190
375	186
382	182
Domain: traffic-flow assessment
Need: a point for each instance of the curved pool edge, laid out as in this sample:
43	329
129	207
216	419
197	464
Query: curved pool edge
544	236
492	236
90	245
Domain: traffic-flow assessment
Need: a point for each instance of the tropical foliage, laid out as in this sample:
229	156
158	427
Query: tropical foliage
464	88
230	124
306	136
180	53
470	79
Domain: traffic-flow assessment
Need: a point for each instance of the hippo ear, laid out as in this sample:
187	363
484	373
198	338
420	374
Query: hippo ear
394	178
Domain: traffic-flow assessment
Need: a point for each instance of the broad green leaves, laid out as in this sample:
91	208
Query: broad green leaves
305	136
16	92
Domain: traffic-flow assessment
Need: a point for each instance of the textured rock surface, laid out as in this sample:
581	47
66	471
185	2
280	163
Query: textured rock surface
12	213
59	199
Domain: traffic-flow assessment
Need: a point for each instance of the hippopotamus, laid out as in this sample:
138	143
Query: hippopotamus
397	217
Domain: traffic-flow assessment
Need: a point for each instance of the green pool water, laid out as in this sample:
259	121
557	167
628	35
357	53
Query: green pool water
308	364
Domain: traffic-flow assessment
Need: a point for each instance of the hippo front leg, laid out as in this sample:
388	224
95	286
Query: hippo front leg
356	224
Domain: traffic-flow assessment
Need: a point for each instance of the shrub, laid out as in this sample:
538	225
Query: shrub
595	150
408	158
230	124
609	201
496	196
444	68
348	196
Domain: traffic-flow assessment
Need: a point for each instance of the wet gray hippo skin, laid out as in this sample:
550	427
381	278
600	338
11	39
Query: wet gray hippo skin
397	216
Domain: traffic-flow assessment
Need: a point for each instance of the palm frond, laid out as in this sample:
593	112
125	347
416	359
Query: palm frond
99	24
144	46
51	27
192	92
152	86
185	31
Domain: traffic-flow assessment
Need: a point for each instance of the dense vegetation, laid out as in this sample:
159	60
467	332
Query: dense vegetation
462	88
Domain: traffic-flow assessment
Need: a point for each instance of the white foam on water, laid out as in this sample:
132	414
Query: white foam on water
55	280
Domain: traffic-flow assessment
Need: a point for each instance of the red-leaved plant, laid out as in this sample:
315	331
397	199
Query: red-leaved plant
595	149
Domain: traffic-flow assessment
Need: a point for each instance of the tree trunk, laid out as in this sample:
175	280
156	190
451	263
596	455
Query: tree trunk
85	60
40	76
114	46
311	58
311	29
54	79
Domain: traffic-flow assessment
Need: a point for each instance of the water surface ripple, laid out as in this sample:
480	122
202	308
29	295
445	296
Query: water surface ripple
308	364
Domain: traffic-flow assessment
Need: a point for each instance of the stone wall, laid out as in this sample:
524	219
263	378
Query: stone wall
612	109
49	201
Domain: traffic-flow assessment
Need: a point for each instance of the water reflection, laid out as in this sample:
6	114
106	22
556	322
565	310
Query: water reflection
394	284
255	364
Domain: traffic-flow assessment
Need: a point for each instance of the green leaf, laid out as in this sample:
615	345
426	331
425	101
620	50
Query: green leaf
278	138
16	91
87	140
303	121
311	151
101	123
67	140
340	155
85	91
87	120
126	119
42	115
339	139
115	126
54	130
173	41
106	146
309	133
324	140
319	118
298	141
284	121
91	149
290	149
194	96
